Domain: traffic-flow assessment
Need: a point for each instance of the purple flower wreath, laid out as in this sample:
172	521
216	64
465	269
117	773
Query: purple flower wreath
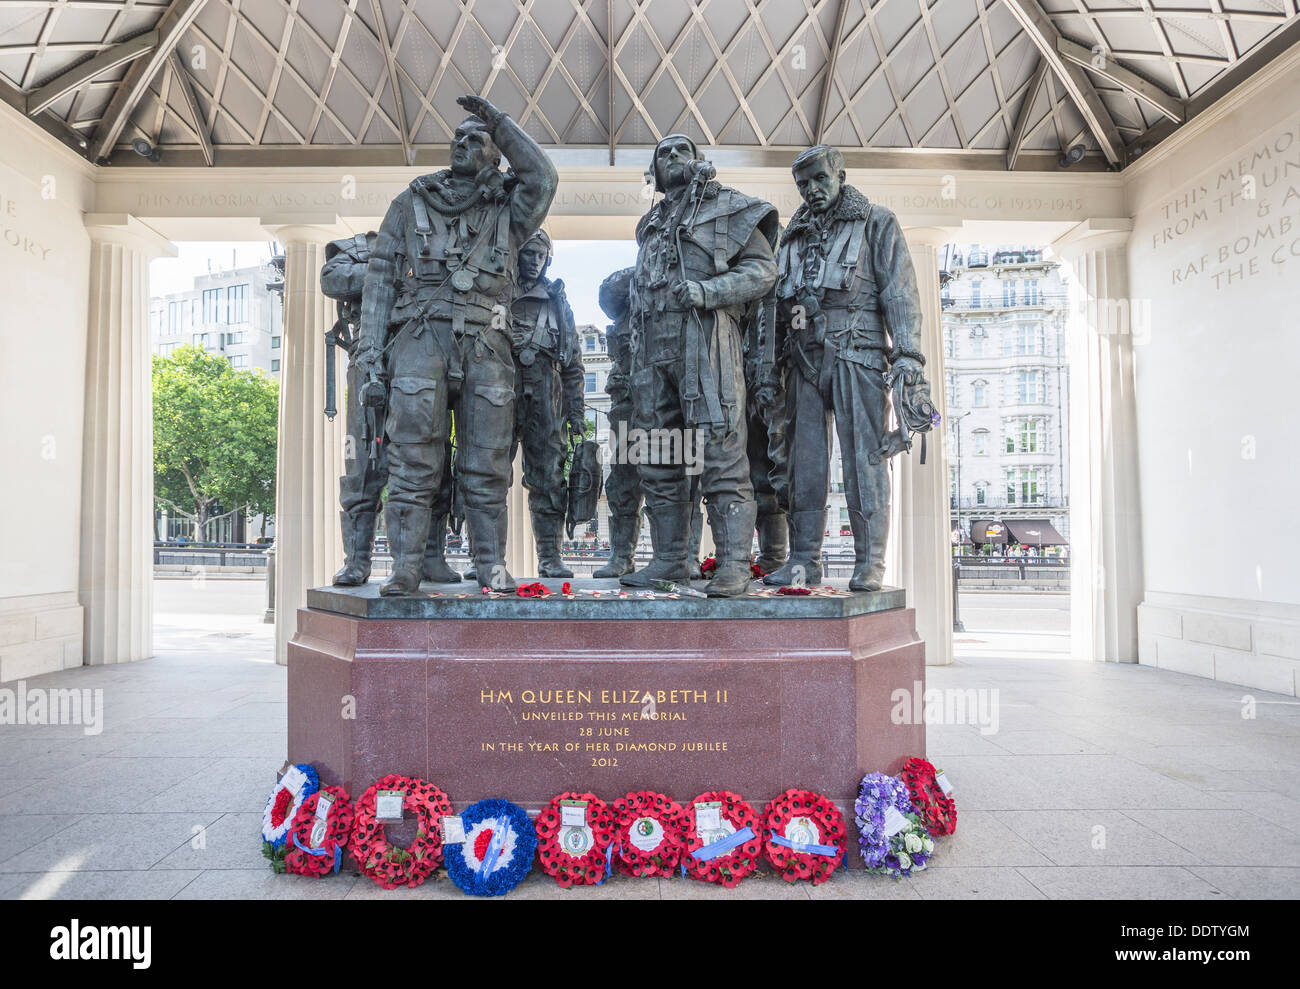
877	792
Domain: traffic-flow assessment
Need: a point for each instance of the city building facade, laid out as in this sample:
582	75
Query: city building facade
1007	384
235	313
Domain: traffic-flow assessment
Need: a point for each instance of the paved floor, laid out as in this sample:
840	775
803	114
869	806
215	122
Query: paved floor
1098	781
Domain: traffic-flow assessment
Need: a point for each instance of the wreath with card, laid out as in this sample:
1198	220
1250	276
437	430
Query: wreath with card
575	835
388	800
650	831
880	813
492	848
723	839
296	785
805	836
930	796
320	833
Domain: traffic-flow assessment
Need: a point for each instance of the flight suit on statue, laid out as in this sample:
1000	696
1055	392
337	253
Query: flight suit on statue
548	395
704	251
623	485
851	315
765	406
341	278
441	281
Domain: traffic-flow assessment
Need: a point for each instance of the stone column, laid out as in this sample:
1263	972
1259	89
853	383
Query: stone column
521	547
922	532
1104	323
309	453
116	582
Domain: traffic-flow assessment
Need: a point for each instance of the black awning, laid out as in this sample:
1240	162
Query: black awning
1035	532
988	531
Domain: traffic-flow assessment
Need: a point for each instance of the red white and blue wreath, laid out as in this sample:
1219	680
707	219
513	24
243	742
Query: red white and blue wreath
723	838
805	836
650	834
320	833
385	863
489	847
296	785
575	839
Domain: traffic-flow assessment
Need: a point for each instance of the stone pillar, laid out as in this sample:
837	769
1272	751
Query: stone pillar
309	453
922	532
1105	524
116	582
521	547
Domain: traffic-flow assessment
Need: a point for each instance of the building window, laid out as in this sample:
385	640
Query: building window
239	360
977	343
1029	388
237	303
275	343
275	365
980	390
981	442
1032	295
981	493
1029	339
200	340
975	287
591	345
1029	437
1009	292
950	386
949	343
591	383
212	298
1025	487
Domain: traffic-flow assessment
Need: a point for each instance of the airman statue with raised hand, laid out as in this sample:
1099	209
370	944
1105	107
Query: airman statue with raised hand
441	279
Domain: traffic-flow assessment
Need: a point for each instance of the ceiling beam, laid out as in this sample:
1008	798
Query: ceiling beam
408	156
192	104
1042	32
1171	106
828	81
79	75
1023	119
174	22
1256	60
609	70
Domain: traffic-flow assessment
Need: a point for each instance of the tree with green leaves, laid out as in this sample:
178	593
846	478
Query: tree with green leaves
214	431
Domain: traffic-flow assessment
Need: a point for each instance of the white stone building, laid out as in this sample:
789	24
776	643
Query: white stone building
1006	384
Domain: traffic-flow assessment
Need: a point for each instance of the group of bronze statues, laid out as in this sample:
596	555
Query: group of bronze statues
728	332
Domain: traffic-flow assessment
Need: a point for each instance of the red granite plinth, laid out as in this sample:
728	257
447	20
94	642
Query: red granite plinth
525	709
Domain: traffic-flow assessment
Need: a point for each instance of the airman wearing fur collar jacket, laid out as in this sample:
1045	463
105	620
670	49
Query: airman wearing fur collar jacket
851	317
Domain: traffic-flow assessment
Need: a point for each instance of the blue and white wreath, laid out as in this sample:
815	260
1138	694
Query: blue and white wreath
296	785
498	850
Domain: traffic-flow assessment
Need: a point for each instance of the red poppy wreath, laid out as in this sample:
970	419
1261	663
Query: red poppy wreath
650	832
575	834
805	836
723	838
937	809
385	863
320	833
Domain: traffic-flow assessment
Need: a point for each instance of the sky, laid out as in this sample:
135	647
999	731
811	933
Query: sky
583	264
